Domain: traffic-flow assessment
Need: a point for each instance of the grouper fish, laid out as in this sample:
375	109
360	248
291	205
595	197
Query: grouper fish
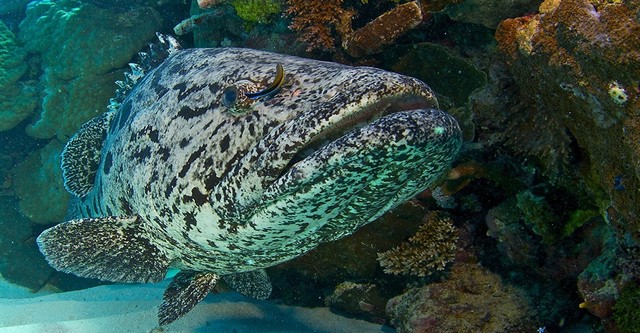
222	162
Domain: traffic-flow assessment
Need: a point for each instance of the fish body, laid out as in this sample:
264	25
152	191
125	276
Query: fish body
178	177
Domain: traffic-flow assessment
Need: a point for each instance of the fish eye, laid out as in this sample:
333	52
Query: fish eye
229	96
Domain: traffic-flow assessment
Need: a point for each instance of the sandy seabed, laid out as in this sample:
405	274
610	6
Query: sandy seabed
133	308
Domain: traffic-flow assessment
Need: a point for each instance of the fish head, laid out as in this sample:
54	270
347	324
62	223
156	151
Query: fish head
340	145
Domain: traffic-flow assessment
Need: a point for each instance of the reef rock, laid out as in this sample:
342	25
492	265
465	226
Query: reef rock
471	300
363	300
576	64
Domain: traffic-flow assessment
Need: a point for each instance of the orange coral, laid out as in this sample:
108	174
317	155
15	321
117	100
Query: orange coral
431	248
318	20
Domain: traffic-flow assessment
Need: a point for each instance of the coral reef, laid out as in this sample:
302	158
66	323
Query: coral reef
38	184
82	48
471	300
430	249
17	100
564	61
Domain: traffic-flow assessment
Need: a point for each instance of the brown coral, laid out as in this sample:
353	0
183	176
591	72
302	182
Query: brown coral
383	30
431	248
317	21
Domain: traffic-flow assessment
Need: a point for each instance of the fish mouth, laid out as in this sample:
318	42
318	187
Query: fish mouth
357	119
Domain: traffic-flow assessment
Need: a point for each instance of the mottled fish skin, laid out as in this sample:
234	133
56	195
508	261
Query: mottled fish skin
213	185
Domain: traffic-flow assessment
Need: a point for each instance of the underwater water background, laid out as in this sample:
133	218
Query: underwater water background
533	229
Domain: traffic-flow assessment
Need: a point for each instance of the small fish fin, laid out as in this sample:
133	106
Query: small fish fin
186	290
111	248
255	284
81	156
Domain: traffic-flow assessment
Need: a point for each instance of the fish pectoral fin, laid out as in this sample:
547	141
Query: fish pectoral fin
114	249
81	156
186	290
255	284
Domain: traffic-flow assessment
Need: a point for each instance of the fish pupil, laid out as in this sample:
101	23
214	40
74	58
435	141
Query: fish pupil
229	96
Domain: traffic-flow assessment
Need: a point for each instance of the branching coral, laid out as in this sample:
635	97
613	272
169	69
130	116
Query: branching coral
318	20
431	248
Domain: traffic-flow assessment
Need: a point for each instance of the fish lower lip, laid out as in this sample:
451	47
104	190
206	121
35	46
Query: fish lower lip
359	119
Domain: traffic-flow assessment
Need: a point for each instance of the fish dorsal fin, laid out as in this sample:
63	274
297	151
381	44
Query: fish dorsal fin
255	284
81	156
114	249
186	290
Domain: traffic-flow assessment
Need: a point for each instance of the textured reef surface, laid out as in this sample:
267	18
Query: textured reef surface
534	229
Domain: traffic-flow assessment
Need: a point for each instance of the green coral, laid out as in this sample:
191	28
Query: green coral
38	184
78	38
17	101
83	51
257	11
12	65
625	312
70	103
